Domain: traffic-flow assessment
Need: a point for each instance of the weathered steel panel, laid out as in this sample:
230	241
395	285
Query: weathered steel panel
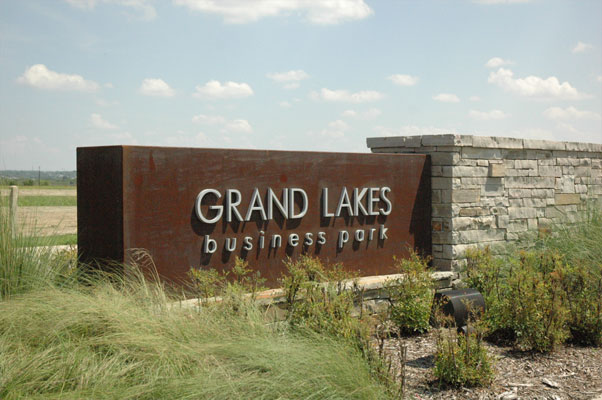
100	203
160	188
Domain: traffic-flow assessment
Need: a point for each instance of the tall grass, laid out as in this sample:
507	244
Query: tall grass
26	261
130	341
127	338
579	241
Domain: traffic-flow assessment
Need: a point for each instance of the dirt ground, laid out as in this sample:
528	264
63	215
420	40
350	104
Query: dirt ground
571	372
43	221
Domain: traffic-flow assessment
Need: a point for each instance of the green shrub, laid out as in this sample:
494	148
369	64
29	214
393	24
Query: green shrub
316	299
235	288
462	359
411	296
580	245
582	285
552	291
534	306
205	283
524	295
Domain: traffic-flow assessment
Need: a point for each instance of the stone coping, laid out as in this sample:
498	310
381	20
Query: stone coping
370	285
454	140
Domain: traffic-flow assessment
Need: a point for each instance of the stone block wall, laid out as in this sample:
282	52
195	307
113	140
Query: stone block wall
490	190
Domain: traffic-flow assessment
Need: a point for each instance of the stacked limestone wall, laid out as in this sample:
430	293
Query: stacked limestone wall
490	190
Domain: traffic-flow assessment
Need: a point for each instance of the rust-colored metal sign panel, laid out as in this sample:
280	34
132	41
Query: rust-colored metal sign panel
193	207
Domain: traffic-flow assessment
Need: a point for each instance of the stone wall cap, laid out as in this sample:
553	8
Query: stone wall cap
499	142
278	295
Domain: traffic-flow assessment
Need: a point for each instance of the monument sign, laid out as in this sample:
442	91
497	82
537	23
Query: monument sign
192	208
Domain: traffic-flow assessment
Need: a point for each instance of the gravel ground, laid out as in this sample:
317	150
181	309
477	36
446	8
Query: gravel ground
571	372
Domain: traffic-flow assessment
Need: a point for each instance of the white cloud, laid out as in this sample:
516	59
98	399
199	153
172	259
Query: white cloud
237	125
289	79
558	113
39	76
21	152
209	119
447	98
581	47
412	130
403	80
106	103
284	104
142	7
363	96
364	115
316	11
181	139
121	138
156	87
500	1
534	86
99	122
496	62
599	78
336	129
474	98
488	115
229	90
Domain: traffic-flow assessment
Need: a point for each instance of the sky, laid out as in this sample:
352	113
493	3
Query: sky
310	75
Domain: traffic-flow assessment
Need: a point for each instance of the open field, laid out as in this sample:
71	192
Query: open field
46	212
37	191
46	221
43	201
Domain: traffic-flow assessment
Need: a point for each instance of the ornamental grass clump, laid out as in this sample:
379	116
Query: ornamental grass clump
125	337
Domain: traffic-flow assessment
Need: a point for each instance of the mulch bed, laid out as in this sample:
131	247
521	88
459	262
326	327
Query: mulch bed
570	372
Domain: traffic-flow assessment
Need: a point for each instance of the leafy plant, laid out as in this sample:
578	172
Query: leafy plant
235	287
316	298
411	296
461	358
580	245
524	294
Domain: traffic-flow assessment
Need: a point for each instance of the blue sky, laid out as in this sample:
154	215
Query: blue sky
291	74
